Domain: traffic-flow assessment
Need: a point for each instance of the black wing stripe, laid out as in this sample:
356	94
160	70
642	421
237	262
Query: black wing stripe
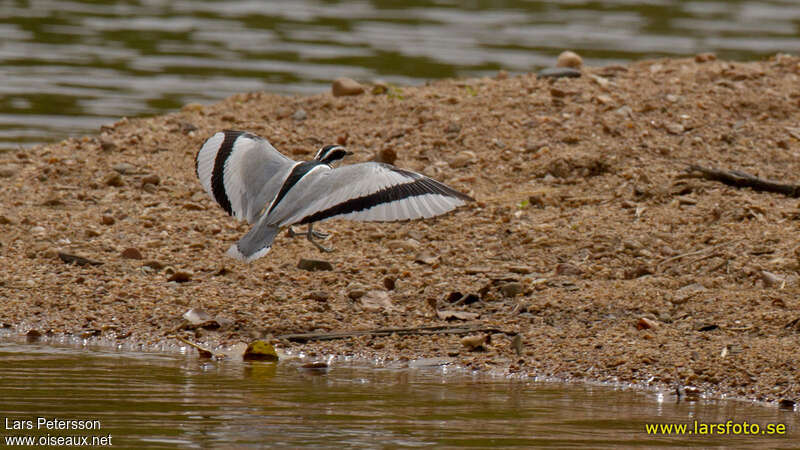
218	174
294	177
421	186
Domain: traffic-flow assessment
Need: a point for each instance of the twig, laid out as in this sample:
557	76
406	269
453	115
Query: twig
203	351
696	252
739	179
444	329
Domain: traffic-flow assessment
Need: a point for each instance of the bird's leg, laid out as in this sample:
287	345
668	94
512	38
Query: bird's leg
317	234
310	235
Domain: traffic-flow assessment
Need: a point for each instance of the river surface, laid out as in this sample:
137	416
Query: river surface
69	66
156	400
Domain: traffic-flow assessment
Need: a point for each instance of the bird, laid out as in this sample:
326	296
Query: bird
253	181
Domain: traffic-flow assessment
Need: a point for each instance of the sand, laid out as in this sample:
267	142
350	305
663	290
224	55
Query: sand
588	237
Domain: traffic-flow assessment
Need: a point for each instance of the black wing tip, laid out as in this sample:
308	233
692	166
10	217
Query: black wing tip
439	187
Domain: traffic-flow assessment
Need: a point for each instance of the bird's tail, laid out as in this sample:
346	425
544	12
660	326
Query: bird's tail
255	244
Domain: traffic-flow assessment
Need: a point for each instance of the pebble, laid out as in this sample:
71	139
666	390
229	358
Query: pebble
319	296
356	290
463	159
704	57
379	87
559	72
77	260
151	179
8	171
154	265
426	258
449	314
113	179
569	59
386	155
645	324
512	289
375	300
196	316
313	265
346	86
107	146
180	276
300	114
5	220
408	245
124	168
107	220
568	269
475	342
132	253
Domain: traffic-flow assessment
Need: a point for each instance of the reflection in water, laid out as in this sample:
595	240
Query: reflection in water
70	65
155	400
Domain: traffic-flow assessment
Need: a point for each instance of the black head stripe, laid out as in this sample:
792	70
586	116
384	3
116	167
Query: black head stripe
330	153
218	174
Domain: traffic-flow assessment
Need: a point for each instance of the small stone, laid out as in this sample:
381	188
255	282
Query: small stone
124	168
475	342
512	289
462	159
196	316
426	258
450	314
107	146
501	75
379	87
408	245
113	179
151	179
569	59
300	114
132	253
107	220
674	128
8	171
516	344
192	107
786	404
386	155
77	260
559	72
319	296
356	290
452	128
646	324
523	270
5	220
154	265
180	276
568	269
374	301
346	86
704	57
313	265
389	283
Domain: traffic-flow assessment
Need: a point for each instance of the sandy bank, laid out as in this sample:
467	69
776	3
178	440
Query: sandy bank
587	237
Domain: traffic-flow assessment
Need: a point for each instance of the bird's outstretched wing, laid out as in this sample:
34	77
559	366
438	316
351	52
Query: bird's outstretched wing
367	192
242	172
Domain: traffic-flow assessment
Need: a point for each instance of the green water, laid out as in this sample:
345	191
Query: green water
69	66
150	400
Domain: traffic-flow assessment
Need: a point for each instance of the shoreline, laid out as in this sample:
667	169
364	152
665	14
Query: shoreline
587	239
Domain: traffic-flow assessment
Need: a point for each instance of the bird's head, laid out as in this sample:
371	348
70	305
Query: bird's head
331	153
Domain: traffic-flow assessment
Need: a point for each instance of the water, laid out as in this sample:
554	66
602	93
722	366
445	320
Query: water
148	400
68	66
